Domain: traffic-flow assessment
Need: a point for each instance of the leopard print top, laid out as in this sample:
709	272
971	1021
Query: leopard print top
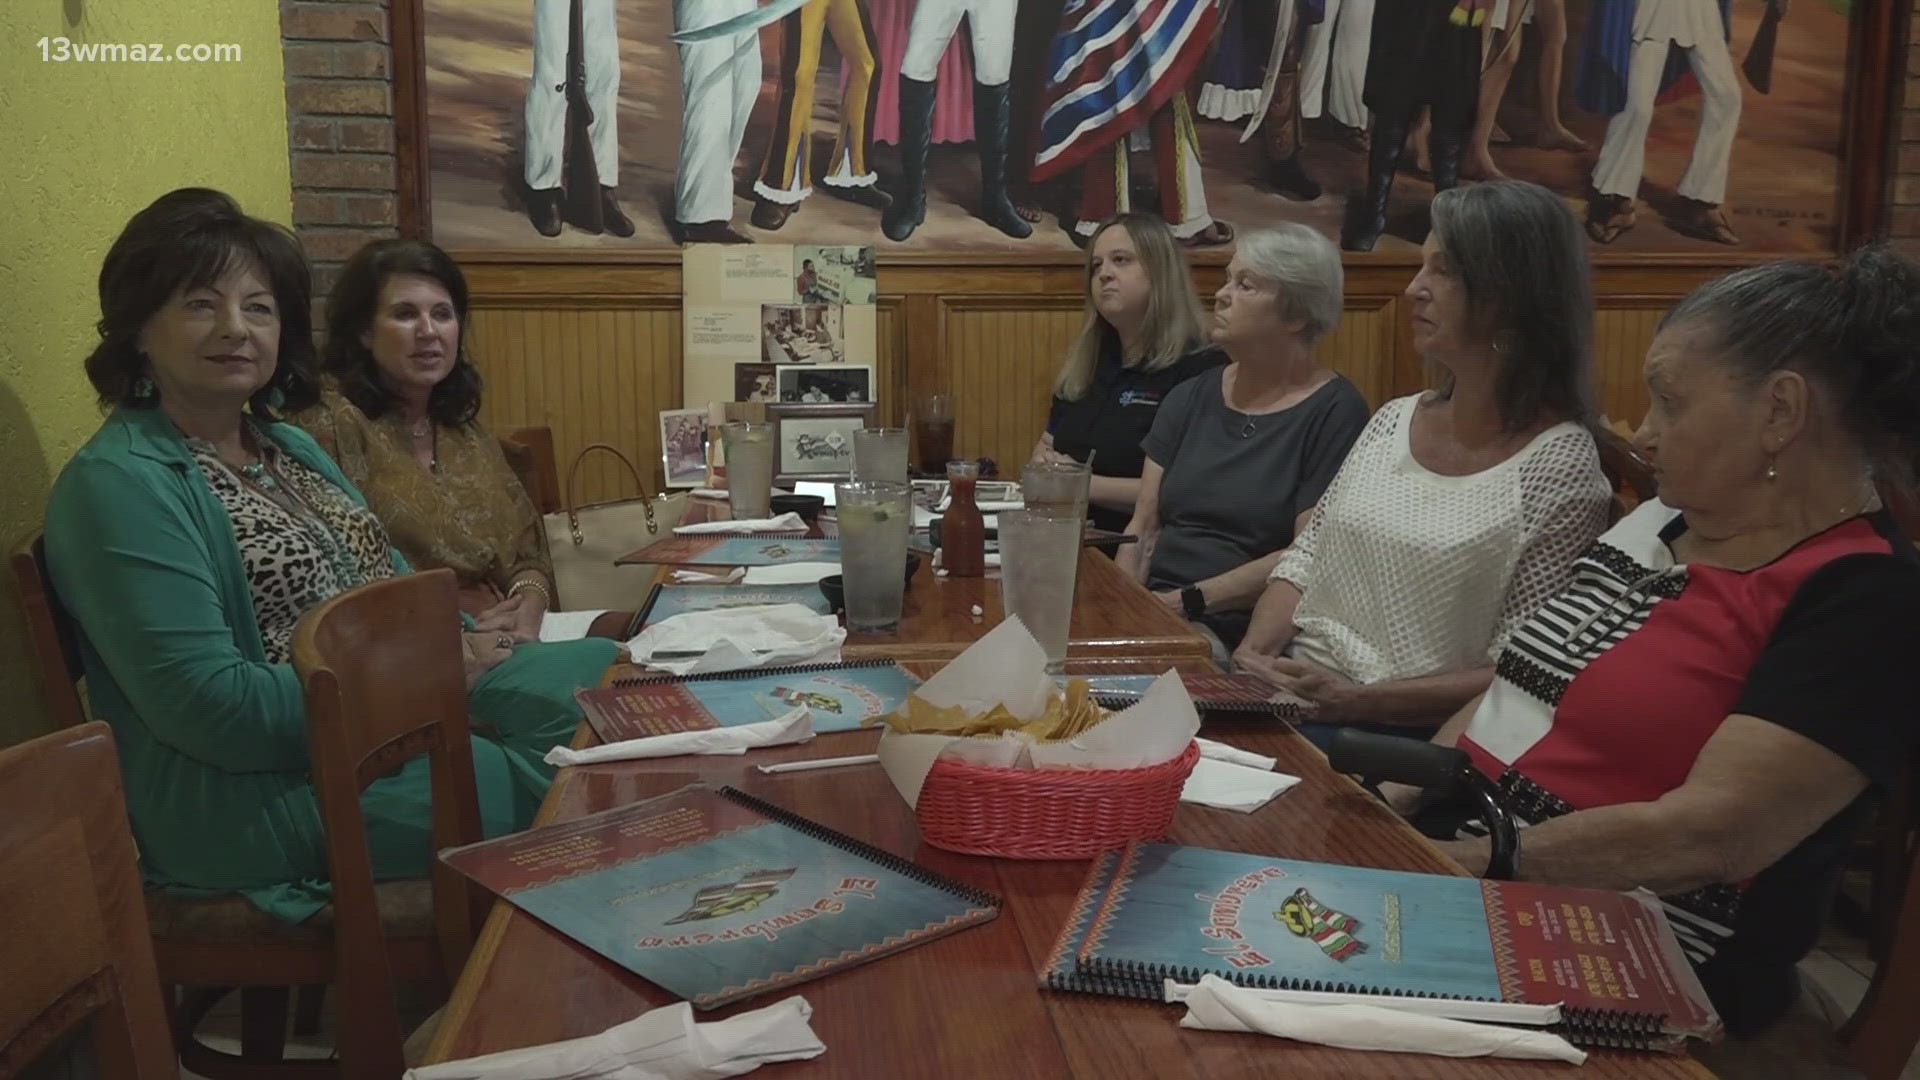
298	551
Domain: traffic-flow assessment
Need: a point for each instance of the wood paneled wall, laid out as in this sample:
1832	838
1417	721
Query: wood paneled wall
592	349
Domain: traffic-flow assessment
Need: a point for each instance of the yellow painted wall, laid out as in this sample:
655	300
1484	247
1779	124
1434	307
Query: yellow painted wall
82	147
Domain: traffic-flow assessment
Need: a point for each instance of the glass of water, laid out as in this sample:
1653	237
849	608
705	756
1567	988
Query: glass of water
1055	487
874	521
880	455
749	449
1039	566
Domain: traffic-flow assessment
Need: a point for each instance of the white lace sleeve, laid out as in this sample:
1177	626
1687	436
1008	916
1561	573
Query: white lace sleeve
1373	450
1564	499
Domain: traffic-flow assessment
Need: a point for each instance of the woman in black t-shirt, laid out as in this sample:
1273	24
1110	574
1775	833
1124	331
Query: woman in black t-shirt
1144	334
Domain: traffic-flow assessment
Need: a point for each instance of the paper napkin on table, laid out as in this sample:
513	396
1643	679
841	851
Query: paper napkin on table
662	1044
708	493
1227	786
1220	751
1218	1005
567	625
783	523
729	639
698	577
794	727
800	573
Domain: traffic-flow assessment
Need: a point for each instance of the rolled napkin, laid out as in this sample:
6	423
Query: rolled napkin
567	625
729	639
708	493
697	577
784	523
1233	755
1226	786
1218	1005
800	573
794	727
663	1044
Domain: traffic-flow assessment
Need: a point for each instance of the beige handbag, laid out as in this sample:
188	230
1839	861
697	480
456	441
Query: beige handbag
584	541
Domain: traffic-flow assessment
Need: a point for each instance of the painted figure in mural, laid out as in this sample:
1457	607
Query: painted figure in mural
1279	107
1333	67
783	181
719	81
1115	70
546	111
1634	52
990	24
1420	57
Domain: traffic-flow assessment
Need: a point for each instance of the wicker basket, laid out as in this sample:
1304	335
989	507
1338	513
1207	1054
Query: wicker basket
1048	813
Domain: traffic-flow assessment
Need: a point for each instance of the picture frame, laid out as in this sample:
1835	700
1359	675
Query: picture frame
815	442
823	384
683	447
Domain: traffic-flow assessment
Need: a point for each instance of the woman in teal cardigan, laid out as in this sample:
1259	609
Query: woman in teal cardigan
192	531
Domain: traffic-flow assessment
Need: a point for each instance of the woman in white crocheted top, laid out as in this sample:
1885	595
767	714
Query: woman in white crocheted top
1459	510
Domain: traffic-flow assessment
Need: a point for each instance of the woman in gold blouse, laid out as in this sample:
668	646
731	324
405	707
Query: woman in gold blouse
399	415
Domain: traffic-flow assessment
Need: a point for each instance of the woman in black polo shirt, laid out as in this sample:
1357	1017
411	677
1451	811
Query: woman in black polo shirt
1144	335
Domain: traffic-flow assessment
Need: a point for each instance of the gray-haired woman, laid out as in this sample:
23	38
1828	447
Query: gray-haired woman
1462	509
1238	454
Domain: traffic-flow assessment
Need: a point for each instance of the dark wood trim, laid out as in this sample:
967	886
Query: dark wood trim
1876	75
413	192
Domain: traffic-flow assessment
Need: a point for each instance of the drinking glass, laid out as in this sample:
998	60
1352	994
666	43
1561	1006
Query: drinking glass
880	455
875	519
1056	486
933	431
749	449
1039	565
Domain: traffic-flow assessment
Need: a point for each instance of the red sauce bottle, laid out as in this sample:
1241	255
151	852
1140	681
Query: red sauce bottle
963	531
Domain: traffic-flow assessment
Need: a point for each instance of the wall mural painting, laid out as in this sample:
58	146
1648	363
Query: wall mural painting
956	125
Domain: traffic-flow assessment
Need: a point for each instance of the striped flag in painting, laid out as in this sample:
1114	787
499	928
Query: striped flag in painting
1114	63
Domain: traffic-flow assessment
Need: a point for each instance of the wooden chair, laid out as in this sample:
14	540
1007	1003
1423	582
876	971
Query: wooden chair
1881	1035
385	682
530	451
73	929
1630	474
51	633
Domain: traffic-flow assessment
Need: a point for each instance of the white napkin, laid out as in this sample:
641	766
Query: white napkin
796	726
1227	786
708	493
662	1044
696	577
1218	1005
729	639
567	625
799	573
784	523
1233	755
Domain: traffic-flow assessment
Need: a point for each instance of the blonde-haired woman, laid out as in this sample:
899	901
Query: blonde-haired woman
1144	335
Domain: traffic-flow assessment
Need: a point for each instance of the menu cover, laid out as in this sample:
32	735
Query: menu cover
1168	911
717	896
720	549
1211	692
666	601
842	696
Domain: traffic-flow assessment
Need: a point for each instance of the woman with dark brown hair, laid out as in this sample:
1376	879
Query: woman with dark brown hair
193	531
400	413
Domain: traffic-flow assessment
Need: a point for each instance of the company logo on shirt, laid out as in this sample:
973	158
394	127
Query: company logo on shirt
1138	397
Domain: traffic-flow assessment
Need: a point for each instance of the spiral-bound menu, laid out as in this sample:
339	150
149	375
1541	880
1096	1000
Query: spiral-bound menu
717	896
1159	912
842	696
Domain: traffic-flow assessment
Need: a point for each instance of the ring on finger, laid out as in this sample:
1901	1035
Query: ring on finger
505	641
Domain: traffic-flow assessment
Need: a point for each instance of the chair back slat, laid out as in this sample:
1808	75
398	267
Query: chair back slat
51	632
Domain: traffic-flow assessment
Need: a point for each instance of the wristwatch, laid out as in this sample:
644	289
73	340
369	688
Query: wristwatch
1193	602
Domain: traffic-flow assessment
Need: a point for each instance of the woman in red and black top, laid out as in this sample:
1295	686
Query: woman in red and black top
1726	687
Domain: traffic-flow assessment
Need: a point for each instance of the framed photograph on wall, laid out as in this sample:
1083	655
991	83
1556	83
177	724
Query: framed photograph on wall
815	442
824	384
683	447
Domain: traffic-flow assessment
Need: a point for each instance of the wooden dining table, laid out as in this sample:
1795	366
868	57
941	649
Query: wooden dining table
1113	616
969	1005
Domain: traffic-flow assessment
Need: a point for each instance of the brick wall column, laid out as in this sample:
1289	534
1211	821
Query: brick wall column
1903	198
339	129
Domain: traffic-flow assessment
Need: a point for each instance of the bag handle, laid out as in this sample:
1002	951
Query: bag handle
573	474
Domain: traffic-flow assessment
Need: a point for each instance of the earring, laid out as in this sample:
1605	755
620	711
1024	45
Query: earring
142	388
1773	472
276	399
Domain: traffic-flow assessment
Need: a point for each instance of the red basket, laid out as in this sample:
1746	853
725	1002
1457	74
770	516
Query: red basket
1048	813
